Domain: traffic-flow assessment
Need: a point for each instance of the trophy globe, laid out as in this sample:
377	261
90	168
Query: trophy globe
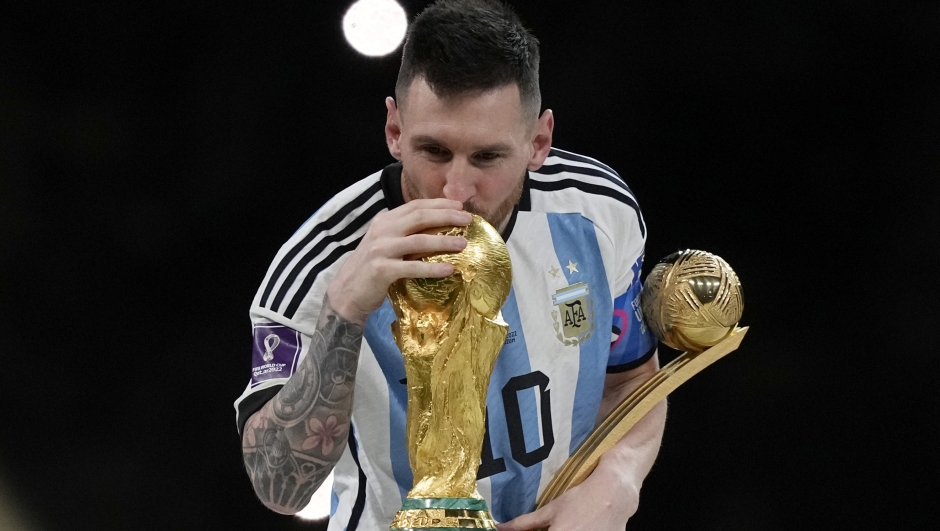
692	300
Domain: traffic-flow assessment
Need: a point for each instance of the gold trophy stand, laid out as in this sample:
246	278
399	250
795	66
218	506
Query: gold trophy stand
580	465
443	514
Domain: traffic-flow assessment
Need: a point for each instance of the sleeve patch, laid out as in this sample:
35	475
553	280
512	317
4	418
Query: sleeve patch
275	352
630	338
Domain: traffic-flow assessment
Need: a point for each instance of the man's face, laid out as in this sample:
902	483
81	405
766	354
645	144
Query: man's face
473	148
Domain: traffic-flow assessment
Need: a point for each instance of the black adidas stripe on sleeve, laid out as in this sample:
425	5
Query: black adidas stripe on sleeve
325	225
312	275
323	263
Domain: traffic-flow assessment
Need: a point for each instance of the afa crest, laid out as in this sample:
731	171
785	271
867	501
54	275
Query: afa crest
573	314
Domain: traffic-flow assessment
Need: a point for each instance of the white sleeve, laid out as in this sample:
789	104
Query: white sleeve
286	307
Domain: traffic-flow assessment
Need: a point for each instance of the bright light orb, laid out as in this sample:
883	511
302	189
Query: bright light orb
375	27
319	506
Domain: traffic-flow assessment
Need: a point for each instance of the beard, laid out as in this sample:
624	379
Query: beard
496	216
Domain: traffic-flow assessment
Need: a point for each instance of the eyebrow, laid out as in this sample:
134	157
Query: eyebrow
428	139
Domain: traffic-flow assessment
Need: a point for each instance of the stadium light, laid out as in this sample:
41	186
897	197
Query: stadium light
375	27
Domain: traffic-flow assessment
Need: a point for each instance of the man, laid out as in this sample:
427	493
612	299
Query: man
466	130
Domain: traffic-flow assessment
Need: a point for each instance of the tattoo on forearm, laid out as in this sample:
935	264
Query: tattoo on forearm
292	443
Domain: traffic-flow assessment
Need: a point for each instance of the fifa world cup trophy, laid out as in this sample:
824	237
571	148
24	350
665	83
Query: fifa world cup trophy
691	301
450	332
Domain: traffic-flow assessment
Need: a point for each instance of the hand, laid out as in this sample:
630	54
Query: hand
362	282
598	504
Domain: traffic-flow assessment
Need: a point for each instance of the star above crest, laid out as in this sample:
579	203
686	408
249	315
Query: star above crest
572	267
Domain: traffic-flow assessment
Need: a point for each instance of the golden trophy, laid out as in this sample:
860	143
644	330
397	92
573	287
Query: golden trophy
450	332
691	301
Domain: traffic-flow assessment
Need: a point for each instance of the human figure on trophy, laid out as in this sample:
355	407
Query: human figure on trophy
469	137
450	331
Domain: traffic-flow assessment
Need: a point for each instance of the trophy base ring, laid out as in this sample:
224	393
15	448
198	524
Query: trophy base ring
443	514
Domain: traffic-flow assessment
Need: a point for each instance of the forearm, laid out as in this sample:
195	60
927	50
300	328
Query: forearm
629	461
292	443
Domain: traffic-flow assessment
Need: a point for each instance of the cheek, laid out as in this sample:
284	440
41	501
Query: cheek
423	176
490	190
496	185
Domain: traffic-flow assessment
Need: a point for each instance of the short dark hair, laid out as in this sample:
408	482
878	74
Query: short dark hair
461	46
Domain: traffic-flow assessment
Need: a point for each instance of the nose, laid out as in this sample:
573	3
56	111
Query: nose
459	182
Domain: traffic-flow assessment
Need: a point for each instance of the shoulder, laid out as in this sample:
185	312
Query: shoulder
569	182
356	202
318	246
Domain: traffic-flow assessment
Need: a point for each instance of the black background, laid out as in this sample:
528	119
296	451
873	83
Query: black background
153	157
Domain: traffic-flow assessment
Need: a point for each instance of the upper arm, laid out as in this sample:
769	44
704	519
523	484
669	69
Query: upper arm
619	385
632	344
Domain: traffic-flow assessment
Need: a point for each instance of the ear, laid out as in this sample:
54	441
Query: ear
393	128
541	139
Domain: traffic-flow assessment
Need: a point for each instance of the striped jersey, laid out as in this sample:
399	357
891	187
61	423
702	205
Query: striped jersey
576	241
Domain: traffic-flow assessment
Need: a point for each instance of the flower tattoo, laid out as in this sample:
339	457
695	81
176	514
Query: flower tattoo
325	433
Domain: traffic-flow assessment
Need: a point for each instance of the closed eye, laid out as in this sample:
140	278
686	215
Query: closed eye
434	151
485	157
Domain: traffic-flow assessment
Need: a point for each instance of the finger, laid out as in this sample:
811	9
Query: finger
536	520
418	246
419	269
431	203
432	218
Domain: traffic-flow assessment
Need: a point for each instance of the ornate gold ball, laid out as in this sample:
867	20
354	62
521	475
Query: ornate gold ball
692	300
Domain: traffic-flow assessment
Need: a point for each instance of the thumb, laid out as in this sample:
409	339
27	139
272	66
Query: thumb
539	519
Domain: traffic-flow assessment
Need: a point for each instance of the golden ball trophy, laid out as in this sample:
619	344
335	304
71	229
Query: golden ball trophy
691	301
450	332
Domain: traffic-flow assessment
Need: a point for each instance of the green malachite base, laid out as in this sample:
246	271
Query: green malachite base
442	514
468	504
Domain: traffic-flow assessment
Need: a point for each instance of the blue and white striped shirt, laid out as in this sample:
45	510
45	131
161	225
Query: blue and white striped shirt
576	242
